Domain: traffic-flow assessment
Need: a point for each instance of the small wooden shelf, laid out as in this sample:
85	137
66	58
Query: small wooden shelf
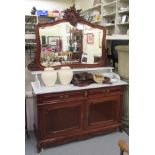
110	14
96	21
117	37
126	23
94	7
29	32
124	11
111	4
30	43
124	0
31	15
109	25
30	23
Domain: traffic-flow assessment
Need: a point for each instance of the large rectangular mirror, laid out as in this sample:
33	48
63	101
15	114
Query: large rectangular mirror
66	44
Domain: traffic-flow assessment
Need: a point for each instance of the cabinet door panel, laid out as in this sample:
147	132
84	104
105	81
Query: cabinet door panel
61	118
103	111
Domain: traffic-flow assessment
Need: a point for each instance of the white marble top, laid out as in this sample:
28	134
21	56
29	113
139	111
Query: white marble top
71	87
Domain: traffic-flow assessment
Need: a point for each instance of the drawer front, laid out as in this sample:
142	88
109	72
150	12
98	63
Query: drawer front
104	91
63	96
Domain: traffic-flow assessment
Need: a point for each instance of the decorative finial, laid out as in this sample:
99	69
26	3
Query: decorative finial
72	15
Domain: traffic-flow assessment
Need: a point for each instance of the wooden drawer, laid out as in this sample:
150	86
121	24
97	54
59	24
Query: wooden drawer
62	96
104	91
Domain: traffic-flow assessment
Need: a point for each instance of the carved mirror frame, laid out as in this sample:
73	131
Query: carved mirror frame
72	16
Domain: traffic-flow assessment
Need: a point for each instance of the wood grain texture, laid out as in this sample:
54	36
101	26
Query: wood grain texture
77	116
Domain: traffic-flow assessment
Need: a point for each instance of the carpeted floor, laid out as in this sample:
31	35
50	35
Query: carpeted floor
99	145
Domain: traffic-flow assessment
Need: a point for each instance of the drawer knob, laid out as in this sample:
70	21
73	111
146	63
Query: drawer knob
103	91
66	96
61	97
106	91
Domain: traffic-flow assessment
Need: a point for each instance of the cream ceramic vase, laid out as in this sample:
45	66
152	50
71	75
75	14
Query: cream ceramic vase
65	75
49	76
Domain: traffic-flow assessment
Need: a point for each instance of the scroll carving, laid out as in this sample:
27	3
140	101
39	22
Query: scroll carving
72	15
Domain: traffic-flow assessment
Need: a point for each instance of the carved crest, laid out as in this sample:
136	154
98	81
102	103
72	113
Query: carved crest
72	15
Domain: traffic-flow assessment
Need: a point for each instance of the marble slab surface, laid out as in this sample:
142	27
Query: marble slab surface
60	88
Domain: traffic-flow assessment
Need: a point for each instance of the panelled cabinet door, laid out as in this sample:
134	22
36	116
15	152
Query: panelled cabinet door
61	118
103	111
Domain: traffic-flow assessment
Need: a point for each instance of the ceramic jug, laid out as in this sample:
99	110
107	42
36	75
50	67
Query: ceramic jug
65	75
49	76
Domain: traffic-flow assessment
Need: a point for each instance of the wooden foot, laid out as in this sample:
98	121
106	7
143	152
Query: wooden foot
82	137
125	129
120	129
39	148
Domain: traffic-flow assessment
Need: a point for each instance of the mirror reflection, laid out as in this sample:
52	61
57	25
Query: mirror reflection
65	44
